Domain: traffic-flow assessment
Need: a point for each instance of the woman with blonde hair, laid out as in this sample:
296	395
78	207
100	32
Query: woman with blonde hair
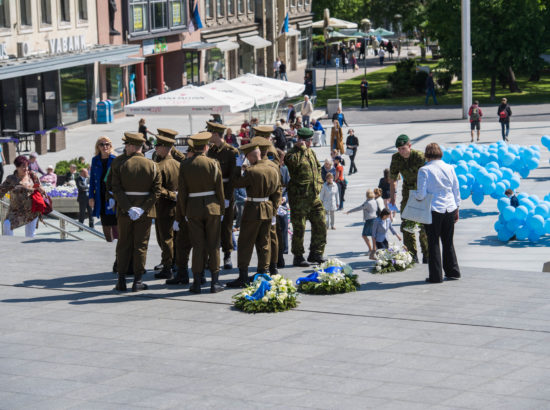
369	208
337	137
98	199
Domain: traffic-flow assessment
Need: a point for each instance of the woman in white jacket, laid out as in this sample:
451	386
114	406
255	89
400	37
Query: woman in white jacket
330	197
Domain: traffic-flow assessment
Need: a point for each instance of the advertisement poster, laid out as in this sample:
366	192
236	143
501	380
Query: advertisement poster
32	99
176	14
160	45
138	18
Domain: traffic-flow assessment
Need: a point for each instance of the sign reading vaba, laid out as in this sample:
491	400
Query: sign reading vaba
67	44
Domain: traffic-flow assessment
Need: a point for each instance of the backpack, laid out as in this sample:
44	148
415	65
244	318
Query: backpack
503	114
475	114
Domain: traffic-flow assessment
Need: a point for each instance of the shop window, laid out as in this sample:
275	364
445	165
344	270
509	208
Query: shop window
46	12
4	14
65	10
25	12
209	8
215	64
191	67
114	87
240	6
83	10
219	8
230	7
158	15
250	5
178	13
139	16
303	43
76	93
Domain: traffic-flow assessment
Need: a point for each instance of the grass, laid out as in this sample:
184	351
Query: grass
349	91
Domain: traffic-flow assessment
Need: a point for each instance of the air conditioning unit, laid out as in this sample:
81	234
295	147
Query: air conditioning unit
23	49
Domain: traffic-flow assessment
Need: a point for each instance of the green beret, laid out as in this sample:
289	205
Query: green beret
401	140
305	133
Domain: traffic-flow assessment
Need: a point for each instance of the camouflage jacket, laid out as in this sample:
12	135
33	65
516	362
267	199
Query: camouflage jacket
305	173
407	167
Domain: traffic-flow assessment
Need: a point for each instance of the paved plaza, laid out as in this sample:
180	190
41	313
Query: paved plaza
68	341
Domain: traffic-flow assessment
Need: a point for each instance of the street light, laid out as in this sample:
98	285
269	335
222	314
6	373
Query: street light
398	18
327	32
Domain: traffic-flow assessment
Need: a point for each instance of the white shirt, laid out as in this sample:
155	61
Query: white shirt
439	179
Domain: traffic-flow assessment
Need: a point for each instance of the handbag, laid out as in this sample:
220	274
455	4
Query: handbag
418	211
41	203
349	152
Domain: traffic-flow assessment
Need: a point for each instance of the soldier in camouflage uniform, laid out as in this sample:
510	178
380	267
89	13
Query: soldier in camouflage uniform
303	195
407	162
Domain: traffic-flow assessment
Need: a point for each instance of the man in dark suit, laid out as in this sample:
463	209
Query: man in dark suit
82	184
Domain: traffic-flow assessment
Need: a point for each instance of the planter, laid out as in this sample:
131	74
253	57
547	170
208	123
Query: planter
65	205
9	151
41	143
57	140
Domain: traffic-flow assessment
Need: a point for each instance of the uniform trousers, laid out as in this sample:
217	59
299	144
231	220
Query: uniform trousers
442	228
227	228
254	232
409	239
165	238
204	234
273	243
315	213
182	247
133	239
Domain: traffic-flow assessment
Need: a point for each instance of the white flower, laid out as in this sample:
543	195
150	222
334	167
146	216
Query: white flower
265	299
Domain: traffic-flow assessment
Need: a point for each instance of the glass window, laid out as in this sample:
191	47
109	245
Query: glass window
292	3
215	64
83	10
250	5
230	7
300	3
240	6
139	16
191	67
65	10
4	14
114	87
158	14
303	43
209	8
178	13
76	93
25	10
219	8
46	11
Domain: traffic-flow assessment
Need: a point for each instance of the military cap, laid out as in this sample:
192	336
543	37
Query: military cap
263	130
199	139
166	137
247	148
261	142
167	132
401	140
133	138
215	127
305	133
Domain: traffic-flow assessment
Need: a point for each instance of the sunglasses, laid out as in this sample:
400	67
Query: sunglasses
105	144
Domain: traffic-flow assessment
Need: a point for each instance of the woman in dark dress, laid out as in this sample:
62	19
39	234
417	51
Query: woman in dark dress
143	130
384	185
352	142
98	198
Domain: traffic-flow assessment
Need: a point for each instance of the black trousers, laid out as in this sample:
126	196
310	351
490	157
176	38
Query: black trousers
442	228
85	208
364	101
352	167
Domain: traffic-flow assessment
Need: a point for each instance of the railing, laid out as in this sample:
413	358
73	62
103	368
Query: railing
63	221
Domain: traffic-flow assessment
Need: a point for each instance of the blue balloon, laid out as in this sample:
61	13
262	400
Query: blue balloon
493	158
492	165
507	173
456	154
521	213
515	182
477	188
524	172
503	203
477	198
461	169
545	140
522	233
525	154
534	237
547	226
464	192
471	179
513	225
489	189
532	163
498	226
500	188
508	158
508	213
504	235
534	199
462	179
536	223
542	210
468	155
506	183
522	195
447	157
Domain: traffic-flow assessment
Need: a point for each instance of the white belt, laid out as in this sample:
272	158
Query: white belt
137	193
225	179
197	194
257	199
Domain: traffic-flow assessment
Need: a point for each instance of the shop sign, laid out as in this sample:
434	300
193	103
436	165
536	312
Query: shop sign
3	52
160	45
67	44
154	46
148	46
32	99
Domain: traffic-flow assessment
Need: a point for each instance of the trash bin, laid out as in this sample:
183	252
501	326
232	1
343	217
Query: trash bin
332	106
110	110
102	112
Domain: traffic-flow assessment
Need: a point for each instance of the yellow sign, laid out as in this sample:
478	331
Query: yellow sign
138	18
176	14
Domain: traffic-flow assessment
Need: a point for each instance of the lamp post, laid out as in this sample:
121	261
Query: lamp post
327	32
466	59
398	18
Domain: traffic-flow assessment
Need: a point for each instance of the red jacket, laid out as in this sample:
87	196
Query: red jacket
470	112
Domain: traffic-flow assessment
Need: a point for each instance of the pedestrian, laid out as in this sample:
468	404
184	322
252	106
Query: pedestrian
303	195
337	137
50	178
226	155
142	129
71	175
318	128
504	113
21	186
381	55
330	197
369	208
230	138
276	67
352	143
33	164
340	180
82	184
282	212
384	185
307	110
345	62
201	205
430	88
364	93
282	71
406	162
353	62
439	179
379	201
291	114
136	186
240	198
390	50
279	137
261	182
380	228
244	136
339	116
475	114
375	45
514	201
102	204
327	168
169	169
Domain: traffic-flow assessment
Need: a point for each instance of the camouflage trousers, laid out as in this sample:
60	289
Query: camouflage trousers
409	239
314	212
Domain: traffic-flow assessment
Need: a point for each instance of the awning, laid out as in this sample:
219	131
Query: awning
305	24
34	65
292	32
256	41
125	62
197	45
227	45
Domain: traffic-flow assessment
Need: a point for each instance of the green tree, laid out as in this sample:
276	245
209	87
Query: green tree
349	10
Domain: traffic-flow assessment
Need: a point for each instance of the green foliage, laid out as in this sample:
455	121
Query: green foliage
258	306
407	79
349	10
282	296
349	284
62	167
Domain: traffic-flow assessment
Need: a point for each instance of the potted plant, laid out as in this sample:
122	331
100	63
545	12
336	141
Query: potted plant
57	138
41	142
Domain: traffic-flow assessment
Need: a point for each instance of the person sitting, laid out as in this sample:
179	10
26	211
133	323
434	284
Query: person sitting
231	138
50	178
318	127
244	136
33	164
71	175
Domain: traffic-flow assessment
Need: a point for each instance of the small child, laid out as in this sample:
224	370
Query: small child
369	208
380	229
330	197
514	201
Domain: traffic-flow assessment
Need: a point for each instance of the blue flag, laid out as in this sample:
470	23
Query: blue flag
284	28
197	16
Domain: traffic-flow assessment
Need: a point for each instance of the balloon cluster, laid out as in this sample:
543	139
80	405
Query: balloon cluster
545	140
530	220
491	169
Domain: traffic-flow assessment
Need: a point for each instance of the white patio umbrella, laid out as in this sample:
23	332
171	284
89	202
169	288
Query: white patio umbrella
262	95
334	23
290	89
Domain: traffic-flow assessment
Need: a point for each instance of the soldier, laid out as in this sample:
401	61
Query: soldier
136	186
263	195
200	202
406	162
303	197
226	155
169	170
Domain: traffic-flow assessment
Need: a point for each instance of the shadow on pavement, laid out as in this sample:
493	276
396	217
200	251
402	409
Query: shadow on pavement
386	286
474	213
492	240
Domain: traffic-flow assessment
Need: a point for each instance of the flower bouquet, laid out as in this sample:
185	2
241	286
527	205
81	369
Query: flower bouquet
333	276
396	258
410	226
267	294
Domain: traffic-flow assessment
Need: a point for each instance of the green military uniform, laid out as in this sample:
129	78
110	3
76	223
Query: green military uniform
166	205
303	197
200	201
136	185
226	155
261	181
408	168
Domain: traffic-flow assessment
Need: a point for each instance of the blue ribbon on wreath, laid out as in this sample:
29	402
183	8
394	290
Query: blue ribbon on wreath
262	289
314	277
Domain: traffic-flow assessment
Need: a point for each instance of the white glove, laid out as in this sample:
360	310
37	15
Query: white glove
111	204
135	213
221	219
176	226
226	203
240	161
273	221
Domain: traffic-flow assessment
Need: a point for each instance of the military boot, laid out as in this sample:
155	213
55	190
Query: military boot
115	268
196	286
300	261
121	283
281	260
160	266
182	277
241	281
165	273
138	284
216	286
316	258
227	260
273	269
203	278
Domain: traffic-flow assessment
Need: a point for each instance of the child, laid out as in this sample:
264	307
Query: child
330	197
369	208
380	229
514	201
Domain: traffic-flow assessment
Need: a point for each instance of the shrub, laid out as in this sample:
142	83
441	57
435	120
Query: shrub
419	81
444	80
62	167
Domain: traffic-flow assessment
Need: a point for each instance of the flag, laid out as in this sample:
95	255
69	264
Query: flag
284	28
195	22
